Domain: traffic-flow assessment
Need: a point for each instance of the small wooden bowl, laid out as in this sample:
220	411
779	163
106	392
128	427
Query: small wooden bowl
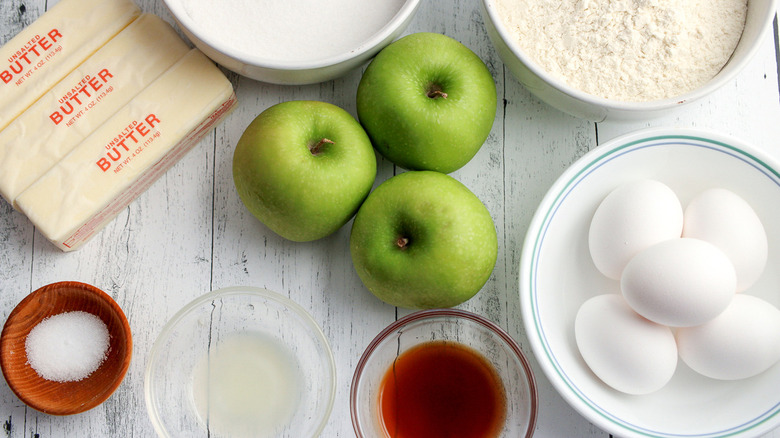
64	398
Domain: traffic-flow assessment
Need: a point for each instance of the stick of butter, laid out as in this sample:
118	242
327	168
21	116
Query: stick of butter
84	99
126	154
53	45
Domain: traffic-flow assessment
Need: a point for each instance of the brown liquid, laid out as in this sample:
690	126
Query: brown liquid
442	389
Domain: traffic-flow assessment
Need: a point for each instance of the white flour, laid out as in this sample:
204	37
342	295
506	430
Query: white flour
630	50
292	30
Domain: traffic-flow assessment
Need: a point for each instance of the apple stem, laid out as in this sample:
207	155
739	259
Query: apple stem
402	242
435	91
316	148
433	94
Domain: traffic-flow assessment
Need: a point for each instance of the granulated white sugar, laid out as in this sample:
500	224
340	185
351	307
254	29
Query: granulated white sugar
291	30
67	347
629	50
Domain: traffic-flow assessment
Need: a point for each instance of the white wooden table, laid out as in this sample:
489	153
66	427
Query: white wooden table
189	233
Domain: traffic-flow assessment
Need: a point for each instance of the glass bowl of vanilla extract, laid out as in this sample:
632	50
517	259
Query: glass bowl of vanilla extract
443	373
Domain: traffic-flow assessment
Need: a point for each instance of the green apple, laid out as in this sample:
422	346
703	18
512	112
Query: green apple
303	168
427	102
423	240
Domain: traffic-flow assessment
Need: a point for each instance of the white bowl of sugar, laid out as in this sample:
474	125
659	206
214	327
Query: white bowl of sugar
626	60
292	41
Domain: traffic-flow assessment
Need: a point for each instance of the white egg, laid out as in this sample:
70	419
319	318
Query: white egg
724	219
627	352
741	342
680	282
629	219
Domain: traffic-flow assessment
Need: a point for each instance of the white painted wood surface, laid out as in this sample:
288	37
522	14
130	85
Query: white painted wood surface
190	233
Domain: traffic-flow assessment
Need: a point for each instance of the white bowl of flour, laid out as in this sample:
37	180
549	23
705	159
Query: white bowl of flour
625	59
292	41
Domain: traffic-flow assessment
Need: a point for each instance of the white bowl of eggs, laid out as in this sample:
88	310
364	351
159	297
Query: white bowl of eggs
646	286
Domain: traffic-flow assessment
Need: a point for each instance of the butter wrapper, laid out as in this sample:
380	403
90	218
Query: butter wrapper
117	162
53	45
88	96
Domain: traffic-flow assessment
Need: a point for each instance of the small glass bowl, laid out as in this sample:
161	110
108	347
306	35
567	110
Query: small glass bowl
204	325
452	325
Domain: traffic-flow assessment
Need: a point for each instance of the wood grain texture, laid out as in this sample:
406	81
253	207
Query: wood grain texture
72	397
189	233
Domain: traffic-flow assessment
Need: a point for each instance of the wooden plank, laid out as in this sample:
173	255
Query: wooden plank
189	233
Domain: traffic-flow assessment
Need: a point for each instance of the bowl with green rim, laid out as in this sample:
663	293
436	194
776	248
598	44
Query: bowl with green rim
557	275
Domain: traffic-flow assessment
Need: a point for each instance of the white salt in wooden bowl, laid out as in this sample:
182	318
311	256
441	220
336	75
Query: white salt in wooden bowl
296	42
69	397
